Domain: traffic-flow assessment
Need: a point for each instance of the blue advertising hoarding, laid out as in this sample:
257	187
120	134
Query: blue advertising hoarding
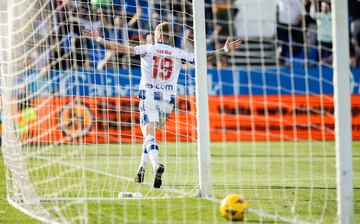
220	82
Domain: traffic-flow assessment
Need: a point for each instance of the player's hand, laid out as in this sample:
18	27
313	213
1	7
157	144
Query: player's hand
233	45
91	34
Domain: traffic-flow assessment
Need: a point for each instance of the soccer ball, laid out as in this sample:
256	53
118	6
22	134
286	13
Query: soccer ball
233	207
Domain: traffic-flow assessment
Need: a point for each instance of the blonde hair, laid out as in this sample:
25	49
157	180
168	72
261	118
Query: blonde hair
166	31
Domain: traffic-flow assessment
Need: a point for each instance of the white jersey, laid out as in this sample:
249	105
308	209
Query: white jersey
160	67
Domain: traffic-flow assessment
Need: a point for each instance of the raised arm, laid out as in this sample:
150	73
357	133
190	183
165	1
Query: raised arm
120	48
229	46
313	10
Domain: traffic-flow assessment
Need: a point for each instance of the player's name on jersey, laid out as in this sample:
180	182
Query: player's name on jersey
164	52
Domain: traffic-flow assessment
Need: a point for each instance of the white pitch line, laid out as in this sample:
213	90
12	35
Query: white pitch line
166	189
104	199
94	170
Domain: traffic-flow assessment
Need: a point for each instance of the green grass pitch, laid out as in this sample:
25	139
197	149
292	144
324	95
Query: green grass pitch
289	179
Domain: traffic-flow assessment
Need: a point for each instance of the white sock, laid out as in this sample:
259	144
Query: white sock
154	158
153	150
144	158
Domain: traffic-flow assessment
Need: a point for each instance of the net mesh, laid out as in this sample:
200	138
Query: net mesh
72	140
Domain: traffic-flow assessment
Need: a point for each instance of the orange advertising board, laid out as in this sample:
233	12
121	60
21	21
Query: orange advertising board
104	120
232	118
297	117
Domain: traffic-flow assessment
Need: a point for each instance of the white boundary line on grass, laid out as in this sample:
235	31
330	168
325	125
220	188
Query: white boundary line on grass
166	189
104	199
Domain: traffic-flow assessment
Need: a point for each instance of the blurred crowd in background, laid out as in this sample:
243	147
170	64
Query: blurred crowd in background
297	30
275	33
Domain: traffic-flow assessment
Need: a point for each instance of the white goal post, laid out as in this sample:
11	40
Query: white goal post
342	102
202	103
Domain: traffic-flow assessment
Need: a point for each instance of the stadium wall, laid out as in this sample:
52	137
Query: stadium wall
101	107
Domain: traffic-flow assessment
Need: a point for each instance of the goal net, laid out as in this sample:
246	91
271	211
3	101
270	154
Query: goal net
71	111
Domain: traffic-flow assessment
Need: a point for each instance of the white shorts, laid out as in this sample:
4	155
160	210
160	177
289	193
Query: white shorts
154	108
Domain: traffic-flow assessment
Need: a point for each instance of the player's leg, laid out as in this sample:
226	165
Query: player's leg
141	171
149	131
149	118
150	111
144	120
150	143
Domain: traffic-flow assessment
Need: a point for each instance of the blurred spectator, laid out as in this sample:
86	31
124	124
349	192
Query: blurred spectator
224	13
160	10
290	17
188	41
168	10
178	22
68	52
212	38
116	33
35	76
354	8
311	35
324	32
353	56
101	3
136	13
355	24
223	62
254	20
106	28
64	18
209	17
128	22
34	84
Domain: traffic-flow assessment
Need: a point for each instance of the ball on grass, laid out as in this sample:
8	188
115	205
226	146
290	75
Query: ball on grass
233	207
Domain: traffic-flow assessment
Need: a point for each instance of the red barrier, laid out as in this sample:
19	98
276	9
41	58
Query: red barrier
297	117
104	120
232	118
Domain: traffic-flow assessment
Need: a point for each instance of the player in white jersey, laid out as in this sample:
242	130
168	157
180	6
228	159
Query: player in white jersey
160	68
